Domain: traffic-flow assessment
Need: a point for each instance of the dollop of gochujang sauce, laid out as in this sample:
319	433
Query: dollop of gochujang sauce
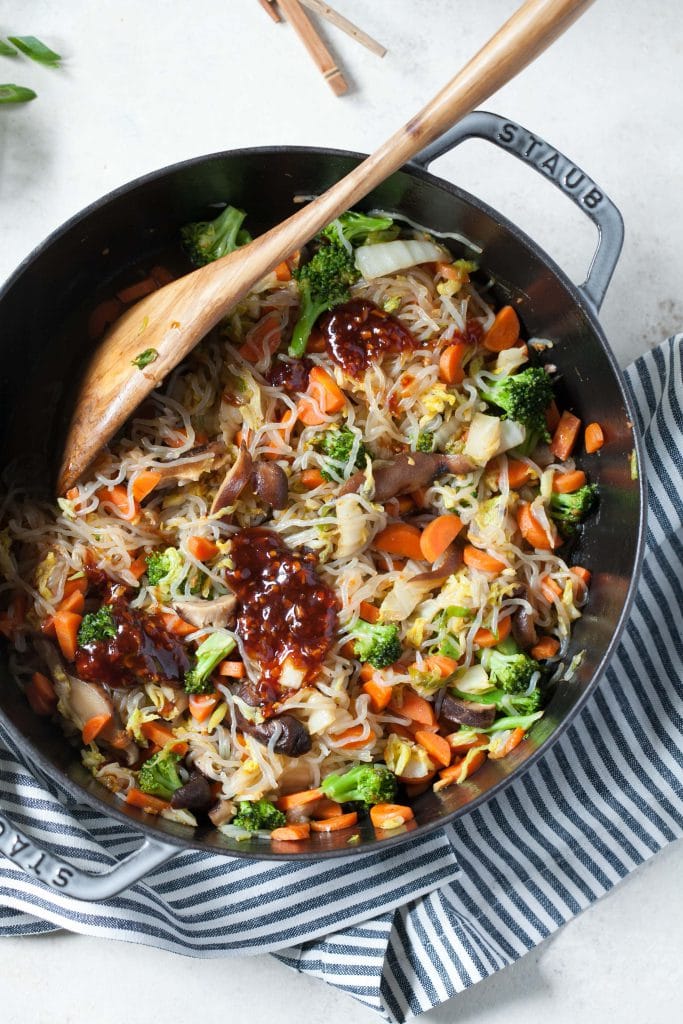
141	651
357	332
285	610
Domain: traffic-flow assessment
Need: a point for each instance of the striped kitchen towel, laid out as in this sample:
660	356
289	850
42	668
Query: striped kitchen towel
403	931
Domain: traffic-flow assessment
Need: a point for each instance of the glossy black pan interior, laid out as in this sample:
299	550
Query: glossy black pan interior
39	361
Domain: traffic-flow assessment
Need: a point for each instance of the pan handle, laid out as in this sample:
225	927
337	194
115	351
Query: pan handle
65	878
561	171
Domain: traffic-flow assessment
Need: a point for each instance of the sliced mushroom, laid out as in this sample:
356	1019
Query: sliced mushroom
270	484
234	481
214	456
408	473
195	795
221	812
454	712
450	562
217	612
293	739
524	628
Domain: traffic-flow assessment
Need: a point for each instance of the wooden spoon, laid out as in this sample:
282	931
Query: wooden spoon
175	318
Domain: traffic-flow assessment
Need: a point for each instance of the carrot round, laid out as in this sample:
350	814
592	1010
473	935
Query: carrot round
547	647
369	612
283	272
388	816
291	800
457	773
450	363
567	483
438	665
291	833
326	394
232	669
475	558
202	548
438	534
498	750
461	743
565	436
80	584
73	602
503	332
118	497
593	437
550	588
174	624
312	478
137	291
485	638
263	339
416	708
583	574
380	696
352	738
40	693
202	705
335	824
144	484
532	531
151	804
66	626
163	735
138	567
94	726
436	746
519	473
399	539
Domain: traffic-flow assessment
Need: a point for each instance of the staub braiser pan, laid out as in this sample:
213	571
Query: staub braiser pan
40	357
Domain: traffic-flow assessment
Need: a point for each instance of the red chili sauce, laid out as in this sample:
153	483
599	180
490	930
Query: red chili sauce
357	333
285	609
142	651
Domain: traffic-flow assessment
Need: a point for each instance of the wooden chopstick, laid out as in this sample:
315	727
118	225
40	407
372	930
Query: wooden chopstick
296	16
269	6
340	22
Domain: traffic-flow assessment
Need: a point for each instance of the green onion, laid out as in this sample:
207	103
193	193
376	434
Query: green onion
33	48
16	94
6	50
145	358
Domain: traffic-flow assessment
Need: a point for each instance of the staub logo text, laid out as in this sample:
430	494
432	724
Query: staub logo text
21	850
551	163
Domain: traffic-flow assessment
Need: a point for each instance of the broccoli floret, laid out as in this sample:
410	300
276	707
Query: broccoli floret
377	643
96	626
256	815
524	397
508	667
209	653
161	564
364	783
338	444
159	776
360	229
323	283
425	441
206	241
569	510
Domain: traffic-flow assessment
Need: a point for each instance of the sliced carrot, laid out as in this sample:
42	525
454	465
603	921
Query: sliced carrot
263	339
552	416
144	484
416	708
475	558
232	669
457	773
138	567
324	393
102	316
450	362
369	612
503	332
437	665
436	746
67	625
40	693
565	436
292	800
174	624
567	483
583	574
496	751
118	497
352	738
593	438
94	726
312	478
532	531
73	602
380	696
162	275
80	584
137	291
283	272
203	705
550	588
438	534
547	647
291	833
462	742
151	804
202	548
336	824
485	638
163	735
519	473
399	539
388	816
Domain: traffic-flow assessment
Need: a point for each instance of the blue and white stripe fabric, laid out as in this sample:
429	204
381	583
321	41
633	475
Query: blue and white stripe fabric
403	931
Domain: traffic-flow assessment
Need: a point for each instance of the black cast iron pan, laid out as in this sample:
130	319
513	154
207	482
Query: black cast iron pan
39	358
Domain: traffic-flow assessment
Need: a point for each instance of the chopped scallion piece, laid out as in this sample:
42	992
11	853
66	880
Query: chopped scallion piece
16	94
33	48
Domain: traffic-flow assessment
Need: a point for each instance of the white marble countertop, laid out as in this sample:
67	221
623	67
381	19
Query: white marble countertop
147	84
